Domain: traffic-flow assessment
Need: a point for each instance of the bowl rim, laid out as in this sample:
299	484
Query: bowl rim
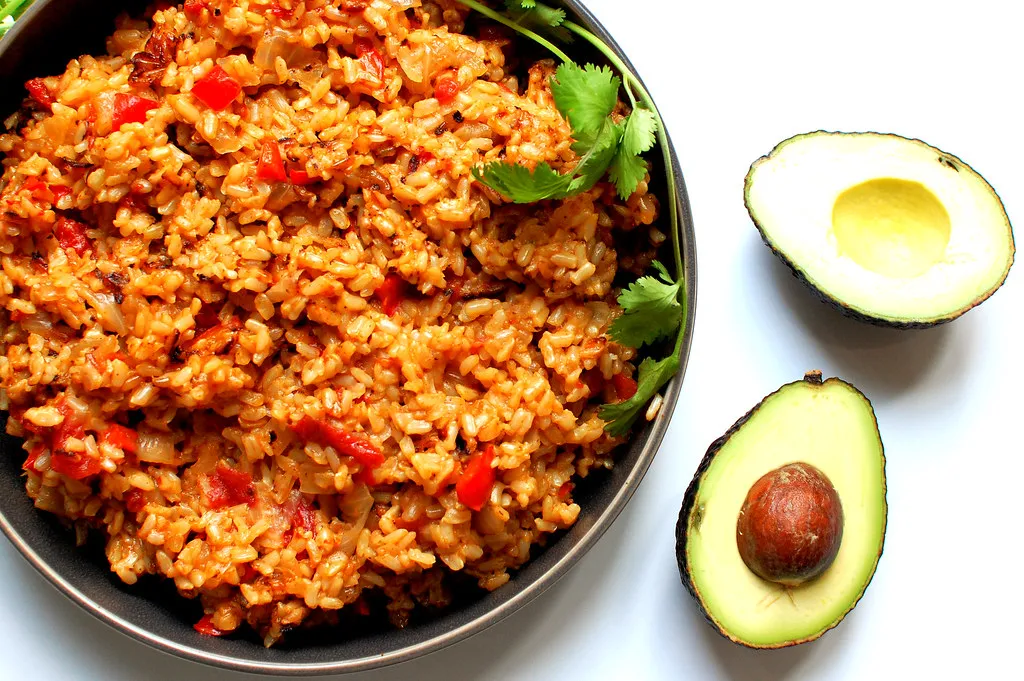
526	593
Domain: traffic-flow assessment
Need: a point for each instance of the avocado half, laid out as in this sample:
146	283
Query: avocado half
887	229
829	425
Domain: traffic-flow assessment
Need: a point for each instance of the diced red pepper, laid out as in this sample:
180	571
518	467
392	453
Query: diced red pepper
370	59
130	109
121	437
446	87
299	176
206	627
71	235
229	487
76	465
38	91
216	89
270	165
565	490
625	387
193	8
391	293
474	485
135	500
33	456
348	444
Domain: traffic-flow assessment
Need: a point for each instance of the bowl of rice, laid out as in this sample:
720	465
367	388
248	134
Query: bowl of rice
288	388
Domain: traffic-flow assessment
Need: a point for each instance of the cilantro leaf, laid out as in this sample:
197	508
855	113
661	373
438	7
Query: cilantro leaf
522	185
540	17
641	126
596	160
628	169
585	96
651	310
651	376
627	172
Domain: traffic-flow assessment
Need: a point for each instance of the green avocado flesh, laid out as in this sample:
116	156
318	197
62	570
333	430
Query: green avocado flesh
888	229
829	425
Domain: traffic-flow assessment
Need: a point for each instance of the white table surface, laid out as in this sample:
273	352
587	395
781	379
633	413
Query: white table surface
733	79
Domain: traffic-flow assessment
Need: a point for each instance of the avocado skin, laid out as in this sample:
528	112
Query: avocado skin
838	304
690	498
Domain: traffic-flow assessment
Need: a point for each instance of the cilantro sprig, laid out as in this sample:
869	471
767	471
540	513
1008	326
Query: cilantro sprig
654	306
585	96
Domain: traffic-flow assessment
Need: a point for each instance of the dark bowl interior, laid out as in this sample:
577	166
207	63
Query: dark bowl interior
42	42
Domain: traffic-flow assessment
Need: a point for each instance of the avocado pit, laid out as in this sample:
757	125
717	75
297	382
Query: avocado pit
790	526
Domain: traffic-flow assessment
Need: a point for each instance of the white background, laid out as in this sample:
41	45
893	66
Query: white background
733	79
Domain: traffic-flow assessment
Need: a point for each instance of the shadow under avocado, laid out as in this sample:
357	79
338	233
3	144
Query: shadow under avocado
885	360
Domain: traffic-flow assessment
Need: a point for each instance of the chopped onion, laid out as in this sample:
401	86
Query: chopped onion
155	447
108	311
276	44
355	508
42	324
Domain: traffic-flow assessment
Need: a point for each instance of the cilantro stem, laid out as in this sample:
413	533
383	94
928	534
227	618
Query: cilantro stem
515	26
11	8
630	81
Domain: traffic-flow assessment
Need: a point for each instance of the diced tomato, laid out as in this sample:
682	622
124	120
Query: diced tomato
122	437
76	465
71	235
625	387
229	487
130	109
270	165
474	485
370	59
17	315
348	444
135	500
59	191
216	89
206	627
299	176
246	573
391	293
565	490
594	380
33	456
38	91
424	156
39	189
303	516
194	8
446	87
207	318
70	427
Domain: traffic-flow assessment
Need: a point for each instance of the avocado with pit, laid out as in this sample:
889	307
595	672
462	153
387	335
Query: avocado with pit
887	229
784	522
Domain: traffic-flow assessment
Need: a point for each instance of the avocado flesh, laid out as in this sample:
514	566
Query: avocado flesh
829	425
888	229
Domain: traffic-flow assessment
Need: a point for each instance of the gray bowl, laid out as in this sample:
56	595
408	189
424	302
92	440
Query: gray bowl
43	40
